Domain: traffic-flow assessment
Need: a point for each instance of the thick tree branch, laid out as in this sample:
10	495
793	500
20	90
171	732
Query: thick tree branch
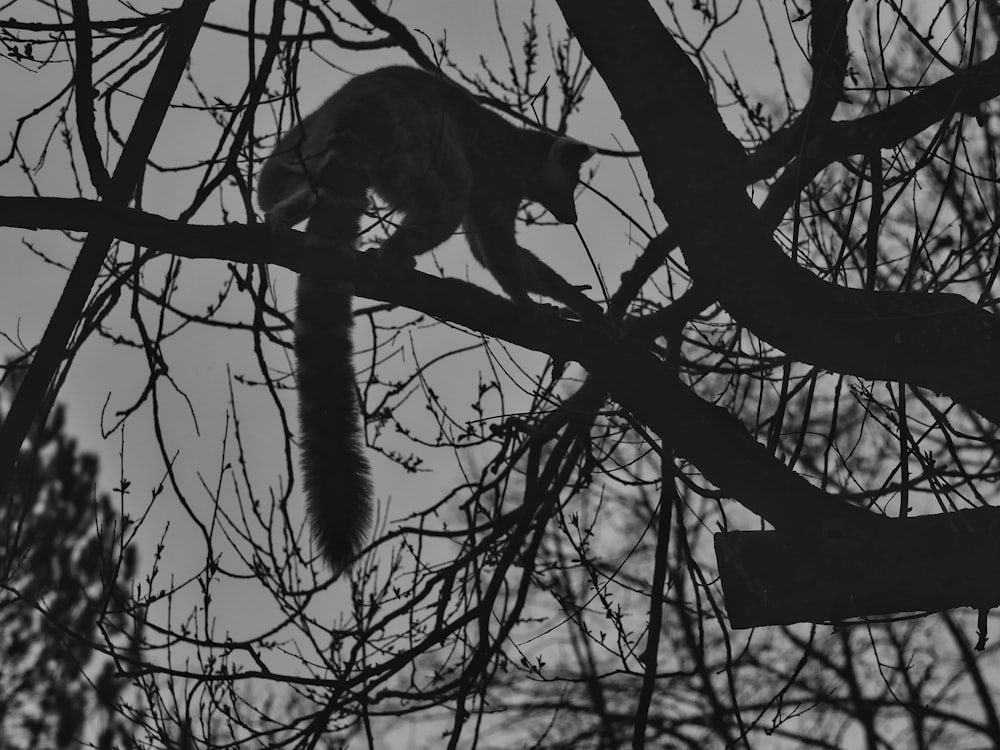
828	50
962	92
834	142
83	87
937	341
706	435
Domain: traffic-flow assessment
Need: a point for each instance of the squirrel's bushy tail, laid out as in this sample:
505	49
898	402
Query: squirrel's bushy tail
335	470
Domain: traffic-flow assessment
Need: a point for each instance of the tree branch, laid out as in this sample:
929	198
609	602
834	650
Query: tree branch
707	435
185	24
962	92
828	47
938	341
83	87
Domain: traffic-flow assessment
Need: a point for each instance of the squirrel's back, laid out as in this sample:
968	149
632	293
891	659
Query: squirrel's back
398	123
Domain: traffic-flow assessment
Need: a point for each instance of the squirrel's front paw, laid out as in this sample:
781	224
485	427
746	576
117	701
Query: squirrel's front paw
294	208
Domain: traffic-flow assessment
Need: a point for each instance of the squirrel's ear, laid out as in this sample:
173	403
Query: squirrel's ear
570	153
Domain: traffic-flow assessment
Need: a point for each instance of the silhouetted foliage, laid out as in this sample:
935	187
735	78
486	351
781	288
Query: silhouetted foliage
66	572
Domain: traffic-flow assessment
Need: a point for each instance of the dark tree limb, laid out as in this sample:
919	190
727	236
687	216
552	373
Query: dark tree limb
706	435
828	50
938	341
83	94
962	92
924	563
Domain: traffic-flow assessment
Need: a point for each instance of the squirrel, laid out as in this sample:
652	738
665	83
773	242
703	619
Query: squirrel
434	154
